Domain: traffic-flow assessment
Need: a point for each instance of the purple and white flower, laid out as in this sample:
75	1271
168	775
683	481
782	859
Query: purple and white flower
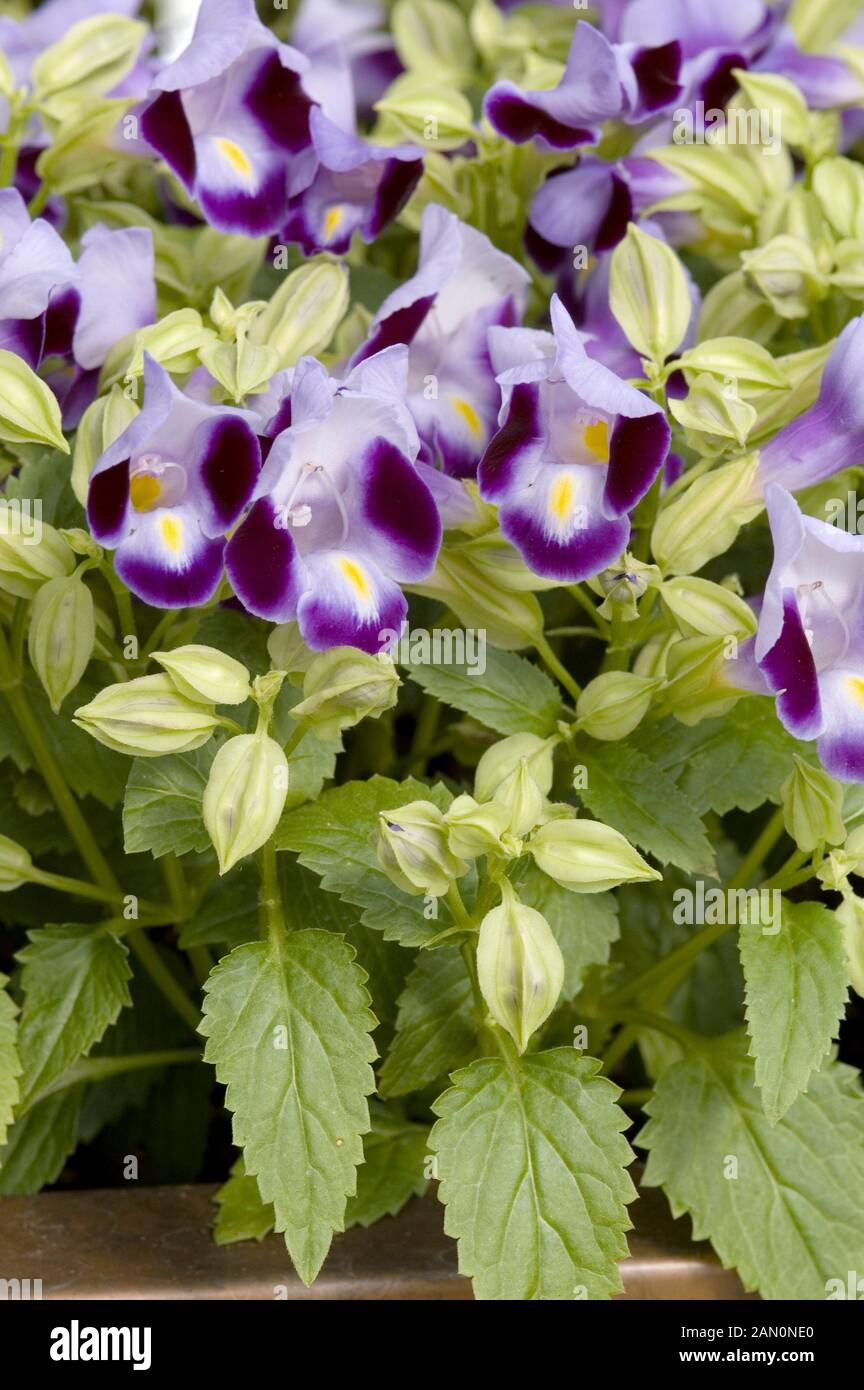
601	81
462	287
809	646
340	515
231	118
169	488
577	449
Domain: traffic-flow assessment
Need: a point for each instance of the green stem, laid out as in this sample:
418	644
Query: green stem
142	947
558	669
424	735
576	591
95	893
39	199
458	908
101	1068
270	896
296	737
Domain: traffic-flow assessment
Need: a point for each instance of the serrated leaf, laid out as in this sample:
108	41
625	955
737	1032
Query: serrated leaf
435	1027
75	982
394	1153
629	791
792	1218
738	761
585	925
796	980
10	1063
241	1215
39	1143
162	806
511	696
532	1165
335	837
299	1108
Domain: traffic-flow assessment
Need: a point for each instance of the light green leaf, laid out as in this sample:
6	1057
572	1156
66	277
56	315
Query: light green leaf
532	1165
584	924
629	791
789	1217
335	837
162	806
797	980
392	1172
435	1027
75	982
39	1143
512	695
242	1215
286	1023
10	1063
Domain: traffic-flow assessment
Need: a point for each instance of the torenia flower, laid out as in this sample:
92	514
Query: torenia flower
168	489
358	187
462	287
809	645
340	515
577	449
601	82
231	118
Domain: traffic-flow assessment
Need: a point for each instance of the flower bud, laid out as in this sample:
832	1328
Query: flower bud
203	673
786	271
587	856
850	915
147	718
15	865
519	967
511	619
522	799
62	635
244	796
288	652
501	761
614	703
31	552
474	829
812	806
623	586
697	680
343	686
413	849
703	609
649	294
706	518
303	314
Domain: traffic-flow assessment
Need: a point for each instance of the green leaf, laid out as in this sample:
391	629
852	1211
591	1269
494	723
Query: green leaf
395	1152
737	761
630	792
286	1023
585	925
335	837
512	695
228	911
10	1064
241	1215
797	980
792	1218
435	1027
75	982
39	1143
532	1165
162	806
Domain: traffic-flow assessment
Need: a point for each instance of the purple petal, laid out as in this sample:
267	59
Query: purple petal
229	461
278	102
400	511
519	440
108	507
637	452
263	566
348	602
165	126
657	71
167	561
399	327
558	523
117	289
791	671
841	746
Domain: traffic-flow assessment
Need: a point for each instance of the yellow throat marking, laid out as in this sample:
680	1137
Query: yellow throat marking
235	156
856	686
355	577
172	533
561	498
595	437
144	491
468	414
333	219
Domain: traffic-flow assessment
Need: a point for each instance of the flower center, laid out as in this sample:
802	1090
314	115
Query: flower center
156	482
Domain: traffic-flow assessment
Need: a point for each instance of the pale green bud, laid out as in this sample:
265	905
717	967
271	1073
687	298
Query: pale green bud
838	864
102	422
176	342
649	295
511	620
785	270
343	686
475	829
31	551
83	150
848	272
94	55
614	703
242	368
431	37
414	852
839	186
519	967
713	413
244	796
850	915
147	718
733	358
812	806
288	652
707	610
732	308
62	635
29	413
522	799
623	586
304	313
697	685
500	762
587	856
418	109
206	674
16	866
780	99
706	518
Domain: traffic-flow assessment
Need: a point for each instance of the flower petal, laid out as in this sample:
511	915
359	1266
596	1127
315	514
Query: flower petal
558	525
229	461
399	510
841	746
791	672
167	560
348	602
637	452
263	565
